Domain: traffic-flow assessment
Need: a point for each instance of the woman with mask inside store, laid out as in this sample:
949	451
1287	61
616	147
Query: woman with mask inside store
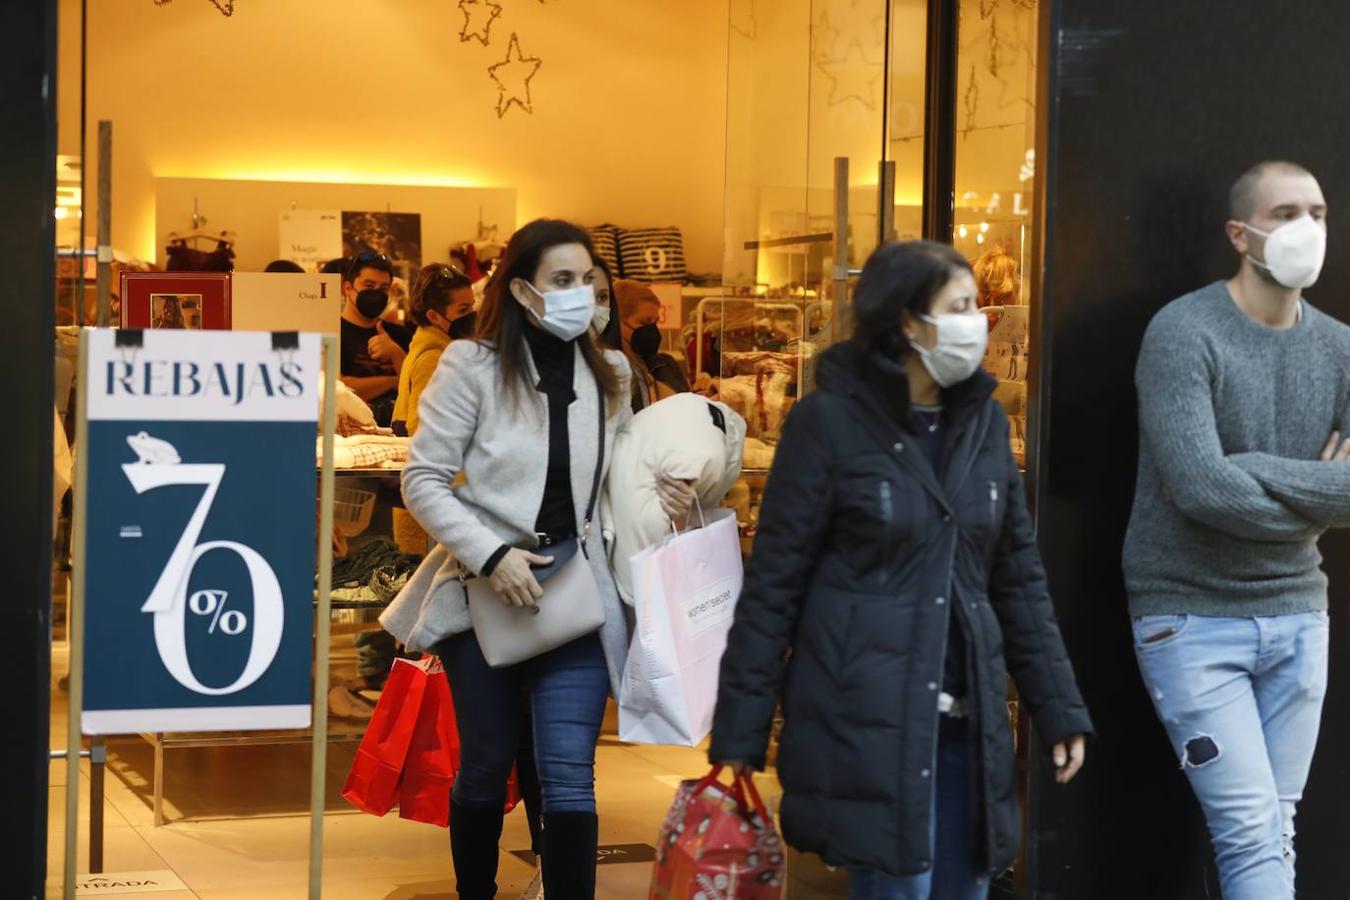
896	561
441	304
527	411
608	327
639	311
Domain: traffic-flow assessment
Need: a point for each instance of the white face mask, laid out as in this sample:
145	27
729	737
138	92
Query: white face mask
567	314
961	342
1294	252
600	319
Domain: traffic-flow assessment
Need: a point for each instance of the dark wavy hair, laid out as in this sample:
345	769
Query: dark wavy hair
432	289
502	320
899	278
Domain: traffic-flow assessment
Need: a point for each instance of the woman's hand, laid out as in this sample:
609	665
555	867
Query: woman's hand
1069	756
738	767
676	496
513	580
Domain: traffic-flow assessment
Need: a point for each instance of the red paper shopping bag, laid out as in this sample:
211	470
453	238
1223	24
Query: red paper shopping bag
373	784
433	757
718	843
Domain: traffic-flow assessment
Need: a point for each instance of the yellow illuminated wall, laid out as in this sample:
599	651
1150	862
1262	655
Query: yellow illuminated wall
628	123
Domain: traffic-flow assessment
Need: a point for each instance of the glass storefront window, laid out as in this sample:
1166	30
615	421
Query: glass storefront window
995	164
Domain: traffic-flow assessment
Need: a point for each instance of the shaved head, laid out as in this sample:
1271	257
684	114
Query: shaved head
1242	196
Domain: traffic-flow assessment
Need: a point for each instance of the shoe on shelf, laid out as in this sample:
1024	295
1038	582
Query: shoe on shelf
348	704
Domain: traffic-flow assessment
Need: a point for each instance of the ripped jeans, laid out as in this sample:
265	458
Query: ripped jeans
1241	700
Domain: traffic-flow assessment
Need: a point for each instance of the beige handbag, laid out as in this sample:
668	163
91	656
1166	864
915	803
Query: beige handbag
571	607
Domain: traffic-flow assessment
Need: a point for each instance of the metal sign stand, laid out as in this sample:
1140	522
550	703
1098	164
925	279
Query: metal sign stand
323	629
324	622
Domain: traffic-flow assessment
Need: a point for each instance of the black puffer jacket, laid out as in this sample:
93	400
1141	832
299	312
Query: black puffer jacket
860	560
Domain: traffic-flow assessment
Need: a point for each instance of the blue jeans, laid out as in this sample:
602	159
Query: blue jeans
1241	700
568	688
956	874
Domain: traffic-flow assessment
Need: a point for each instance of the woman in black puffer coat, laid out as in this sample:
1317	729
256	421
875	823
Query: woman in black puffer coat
895	584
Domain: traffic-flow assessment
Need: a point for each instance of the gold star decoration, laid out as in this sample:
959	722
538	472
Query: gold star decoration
851	77
226	7
513	76
829	40
743	19
478	18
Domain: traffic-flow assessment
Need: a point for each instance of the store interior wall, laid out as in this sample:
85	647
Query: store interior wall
1153	111
628	122
251	209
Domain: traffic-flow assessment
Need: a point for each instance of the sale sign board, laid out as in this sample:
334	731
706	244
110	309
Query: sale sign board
200	531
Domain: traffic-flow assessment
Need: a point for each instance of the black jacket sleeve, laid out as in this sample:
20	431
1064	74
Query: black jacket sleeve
1020	596
794	519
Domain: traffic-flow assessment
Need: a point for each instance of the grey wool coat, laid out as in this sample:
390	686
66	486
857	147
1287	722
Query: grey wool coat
470	424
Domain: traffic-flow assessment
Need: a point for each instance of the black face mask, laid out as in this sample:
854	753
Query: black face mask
646	340
372	303
464	326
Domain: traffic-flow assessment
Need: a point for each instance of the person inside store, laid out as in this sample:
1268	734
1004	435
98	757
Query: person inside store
996	280
531	400
609	329
639	315
896	569
285	265
605	323
1243	466
441	304
372	349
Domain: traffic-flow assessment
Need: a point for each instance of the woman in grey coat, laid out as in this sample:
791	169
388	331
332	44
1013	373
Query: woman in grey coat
517	412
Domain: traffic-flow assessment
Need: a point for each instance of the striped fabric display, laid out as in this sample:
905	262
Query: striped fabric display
652	254
606	240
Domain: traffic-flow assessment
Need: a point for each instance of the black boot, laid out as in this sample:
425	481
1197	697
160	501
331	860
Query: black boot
474	839
569	855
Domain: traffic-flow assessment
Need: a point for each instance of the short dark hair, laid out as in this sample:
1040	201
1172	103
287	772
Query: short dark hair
284	265
1242	195
432	289
335	266
368	259
900	278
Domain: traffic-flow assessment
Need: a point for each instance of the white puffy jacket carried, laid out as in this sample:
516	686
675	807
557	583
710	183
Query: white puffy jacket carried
686	436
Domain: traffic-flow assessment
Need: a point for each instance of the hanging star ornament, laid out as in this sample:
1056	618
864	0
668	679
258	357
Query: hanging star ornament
851	77
513	76
478	18
743	19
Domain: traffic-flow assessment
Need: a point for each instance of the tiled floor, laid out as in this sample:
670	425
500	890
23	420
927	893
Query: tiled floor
261	851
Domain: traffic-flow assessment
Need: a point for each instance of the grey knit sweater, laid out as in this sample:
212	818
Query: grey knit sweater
1232	496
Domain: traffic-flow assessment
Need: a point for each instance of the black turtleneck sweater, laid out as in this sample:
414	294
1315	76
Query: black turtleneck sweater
555	361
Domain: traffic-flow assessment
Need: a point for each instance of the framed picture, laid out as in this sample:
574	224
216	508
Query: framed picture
188	300
396	235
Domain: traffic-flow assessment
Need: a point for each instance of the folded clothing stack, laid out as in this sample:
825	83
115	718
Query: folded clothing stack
374	573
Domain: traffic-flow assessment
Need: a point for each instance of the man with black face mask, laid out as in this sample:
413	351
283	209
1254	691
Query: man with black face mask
372	350
639	313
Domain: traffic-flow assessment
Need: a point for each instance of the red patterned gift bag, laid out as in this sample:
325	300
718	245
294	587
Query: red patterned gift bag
718	843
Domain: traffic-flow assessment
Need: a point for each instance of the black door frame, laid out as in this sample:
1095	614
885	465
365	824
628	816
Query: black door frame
27	374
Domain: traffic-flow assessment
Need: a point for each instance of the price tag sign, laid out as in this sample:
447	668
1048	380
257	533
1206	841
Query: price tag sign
200	532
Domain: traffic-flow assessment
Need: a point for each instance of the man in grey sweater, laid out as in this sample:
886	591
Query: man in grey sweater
1244	389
